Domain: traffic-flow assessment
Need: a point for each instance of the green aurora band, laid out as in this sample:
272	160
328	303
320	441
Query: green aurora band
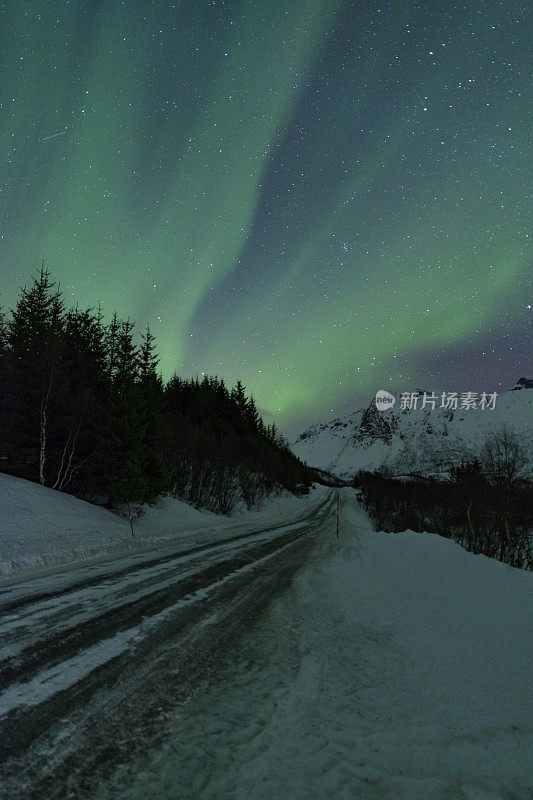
169	161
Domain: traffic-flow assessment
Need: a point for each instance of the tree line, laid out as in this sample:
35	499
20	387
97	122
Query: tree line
83	409
486	504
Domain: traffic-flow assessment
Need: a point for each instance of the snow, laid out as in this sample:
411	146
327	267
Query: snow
396	667
42	528
420	439
51	680
56	616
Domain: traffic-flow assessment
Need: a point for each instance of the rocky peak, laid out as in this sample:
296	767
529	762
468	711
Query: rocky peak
374	425
524	383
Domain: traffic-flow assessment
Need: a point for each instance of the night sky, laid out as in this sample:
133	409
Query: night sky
320	197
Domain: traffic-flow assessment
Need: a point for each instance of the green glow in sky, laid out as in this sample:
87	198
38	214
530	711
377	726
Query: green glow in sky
319	198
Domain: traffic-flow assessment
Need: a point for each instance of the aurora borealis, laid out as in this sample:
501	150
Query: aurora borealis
321	198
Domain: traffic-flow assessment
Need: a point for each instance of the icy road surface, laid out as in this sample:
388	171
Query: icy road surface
394	667
91	657
291	665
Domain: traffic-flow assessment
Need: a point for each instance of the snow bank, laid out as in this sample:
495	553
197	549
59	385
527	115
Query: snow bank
40	527
397	667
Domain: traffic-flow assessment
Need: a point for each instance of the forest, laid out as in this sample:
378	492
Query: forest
85	410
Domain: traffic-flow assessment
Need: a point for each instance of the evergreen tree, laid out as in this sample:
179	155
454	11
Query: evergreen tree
251	415
122	458
3	334
111	345
34	337
150	407
238	396
148	360
84	407
127	358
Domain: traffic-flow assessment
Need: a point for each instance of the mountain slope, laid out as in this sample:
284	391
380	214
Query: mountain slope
414	440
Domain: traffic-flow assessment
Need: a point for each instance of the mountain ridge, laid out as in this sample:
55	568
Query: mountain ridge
424	440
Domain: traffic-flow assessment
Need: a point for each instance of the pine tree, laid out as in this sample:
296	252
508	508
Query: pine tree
111	345
238	395
83	411
122	459
148	359
34	338
3	334
150	407
252	415
127	358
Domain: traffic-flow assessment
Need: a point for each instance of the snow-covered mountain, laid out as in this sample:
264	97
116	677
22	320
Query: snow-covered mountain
424	440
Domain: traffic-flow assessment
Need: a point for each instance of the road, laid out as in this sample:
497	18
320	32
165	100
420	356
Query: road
91	658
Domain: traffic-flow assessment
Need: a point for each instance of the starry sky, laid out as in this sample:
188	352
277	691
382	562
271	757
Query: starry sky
321	197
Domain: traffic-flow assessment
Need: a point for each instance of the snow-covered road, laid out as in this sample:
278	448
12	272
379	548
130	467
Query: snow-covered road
394	667
72	641
297	666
